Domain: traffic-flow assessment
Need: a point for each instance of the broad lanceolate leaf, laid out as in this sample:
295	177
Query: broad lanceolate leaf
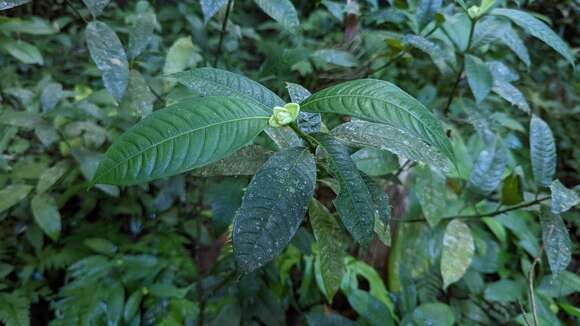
282	11
210	81
354	203
7	4
478	76
380	198
426	10
458	249
385	137
556	241
109	56
332	241
23	51
488	168
141	34
543	152
383	102
181	137
431	190
562	198
273	207
46	215
246	161
210	8
96	6
511	39
502	78
12	195
538	29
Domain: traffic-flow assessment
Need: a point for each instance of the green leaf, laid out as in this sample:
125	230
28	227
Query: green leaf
46	215
141	34
336	57
246	161
429	314
511	39
488	169
210	8
108	54
33	26
503	291
182	137
369	308
138	97
426	10
431	191
511	190
443	57
332	242
14	307
380	101
375	162
180	56
458	249
51	95
457	27
51	176
502	78
538	29
479	77
273	207
382	206
562	198
354	203
132	305
392	139
297	93
96	7
485	6
282	11
100	245
556	241
559	285
24	52
12	195
543	152
7	4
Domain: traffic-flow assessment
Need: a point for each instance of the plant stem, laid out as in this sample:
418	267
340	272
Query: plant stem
76	11
224	26
312	143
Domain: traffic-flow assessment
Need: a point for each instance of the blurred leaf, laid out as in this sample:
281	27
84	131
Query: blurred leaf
12	195
382	205
503	291
225	199
559	285
425	11
282	11
141	34
543	152
7	4
375	162
456	27
511	190
369	308
336	57
458	249
210	8
431	190
433	314
46	215
33	26
24	52
556	241
15	306
488	169
51	95
562	198
138	97
96	7
180	56
479	77
444	58
101	245
246	161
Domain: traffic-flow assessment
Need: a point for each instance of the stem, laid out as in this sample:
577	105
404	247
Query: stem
224	26
76	11
312	143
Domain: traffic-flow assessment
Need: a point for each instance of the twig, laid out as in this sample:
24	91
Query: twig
454	89
76	11
224	26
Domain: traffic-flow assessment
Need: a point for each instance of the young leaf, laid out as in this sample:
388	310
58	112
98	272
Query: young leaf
538	29
556	241
426	10
354	203
96	7
273	207
380	101
543	152
210	8
23	51
488	168
8	4
431	190
479	77
181	137
179	56
458	249
392	139
12	195
332	242
46	215
282	11
562	198
108	54
511	190
141	34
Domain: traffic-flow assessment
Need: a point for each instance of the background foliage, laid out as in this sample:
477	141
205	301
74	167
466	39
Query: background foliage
76	74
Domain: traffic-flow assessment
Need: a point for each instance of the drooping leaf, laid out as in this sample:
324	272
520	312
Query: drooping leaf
431	191
210	8
96	7
458	249
23	51
246	161
538	29
180	56
181	137
543	152
7	4
426	10
559	285
139	97
273	207
479	77
12	195
511	39
282	11
488	169
354	203
380	101
46	215
384	137
562	198
444	58
556	241
502	78
332	242
109	55
141	34
382	205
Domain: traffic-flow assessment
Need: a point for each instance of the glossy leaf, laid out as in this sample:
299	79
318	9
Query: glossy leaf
46	215
458	249
210	8
181	137
96	7
307	122
12	195
7	4
556	241
141	34
431	191
332	241
354	203
479	77
273	207
108	54
543	152
392	139
282	11
488	169
380	101
562	198
23	51
538	29
511	94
